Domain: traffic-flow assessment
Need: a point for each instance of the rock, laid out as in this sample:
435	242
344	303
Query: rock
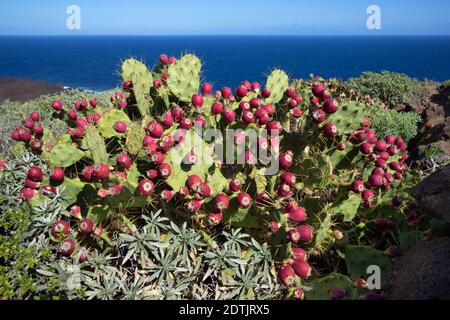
16	89
433	194
423	273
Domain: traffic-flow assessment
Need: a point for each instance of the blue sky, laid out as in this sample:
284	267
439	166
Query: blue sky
284	17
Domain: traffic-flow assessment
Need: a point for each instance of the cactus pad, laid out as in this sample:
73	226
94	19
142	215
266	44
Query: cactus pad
64	154
349	117
277	83
319	289
94	145
358	258
106	123
142	79
184	77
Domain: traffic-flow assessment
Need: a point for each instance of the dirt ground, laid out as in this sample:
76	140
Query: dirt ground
16	89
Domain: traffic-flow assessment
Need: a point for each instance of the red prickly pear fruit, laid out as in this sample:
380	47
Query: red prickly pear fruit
392	251
287	275
3	164
124	161
235	185
190	158
396	166
157	158
221	202
340	146
155	129
274	226
184	191
24	135
296	112
317	89
83	105
157	83
274	126
367	195
254	103
86	226
366	148
367	122
88	173
288	178
165	170
325	95
248	117
35	116
302	268
57	105
67	247
293	236
200	121
244	106
167	195
172	60
186	124
207	89
269	109
380	146
241	91
375	180
28	123
329	129
120	127
250	158
197	100
262	198
286	159
216	108
256	86
83	255
380	163
60	229
204	190
36	144
330	106
166	119
298	98
146	187
15	135
262	116
266	93
164	76
290	207
297	215
244	200
389	178
399	142
384	156
318	115
372	296
392	150
28	194
57	175
163	59
306	232
378	171
315	101
229	115
226	93
289	93
358	186
299	294
72	114
390	139
299	254
81	123
98	230
93	103
284	191
396	201
215	218
35	174
337	293
127	85
361	283
101	171
292	104
194	182
194	205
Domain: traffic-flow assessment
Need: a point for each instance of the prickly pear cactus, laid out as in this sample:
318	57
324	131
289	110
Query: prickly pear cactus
320	288
94	145
64	153
135	136
109	119
277	83
359	258
184	77
349	117
142	80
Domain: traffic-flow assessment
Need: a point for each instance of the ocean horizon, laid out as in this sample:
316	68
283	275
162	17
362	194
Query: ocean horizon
93	62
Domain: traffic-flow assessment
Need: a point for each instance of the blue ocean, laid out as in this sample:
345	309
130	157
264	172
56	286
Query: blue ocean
92	62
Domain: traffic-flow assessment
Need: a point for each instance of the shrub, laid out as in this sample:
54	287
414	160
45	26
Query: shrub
389	87
134	185
389	121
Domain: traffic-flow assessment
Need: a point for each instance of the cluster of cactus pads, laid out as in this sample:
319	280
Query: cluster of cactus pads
117	160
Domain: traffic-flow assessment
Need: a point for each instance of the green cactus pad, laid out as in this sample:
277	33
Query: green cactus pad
184	77
64	154
98	213
348	208
320	288
107	121
135	136
142	79
94	145
277	83
73	189
242	218
348	118
359	258
345	158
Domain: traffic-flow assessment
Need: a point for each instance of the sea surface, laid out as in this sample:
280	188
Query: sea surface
92	62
